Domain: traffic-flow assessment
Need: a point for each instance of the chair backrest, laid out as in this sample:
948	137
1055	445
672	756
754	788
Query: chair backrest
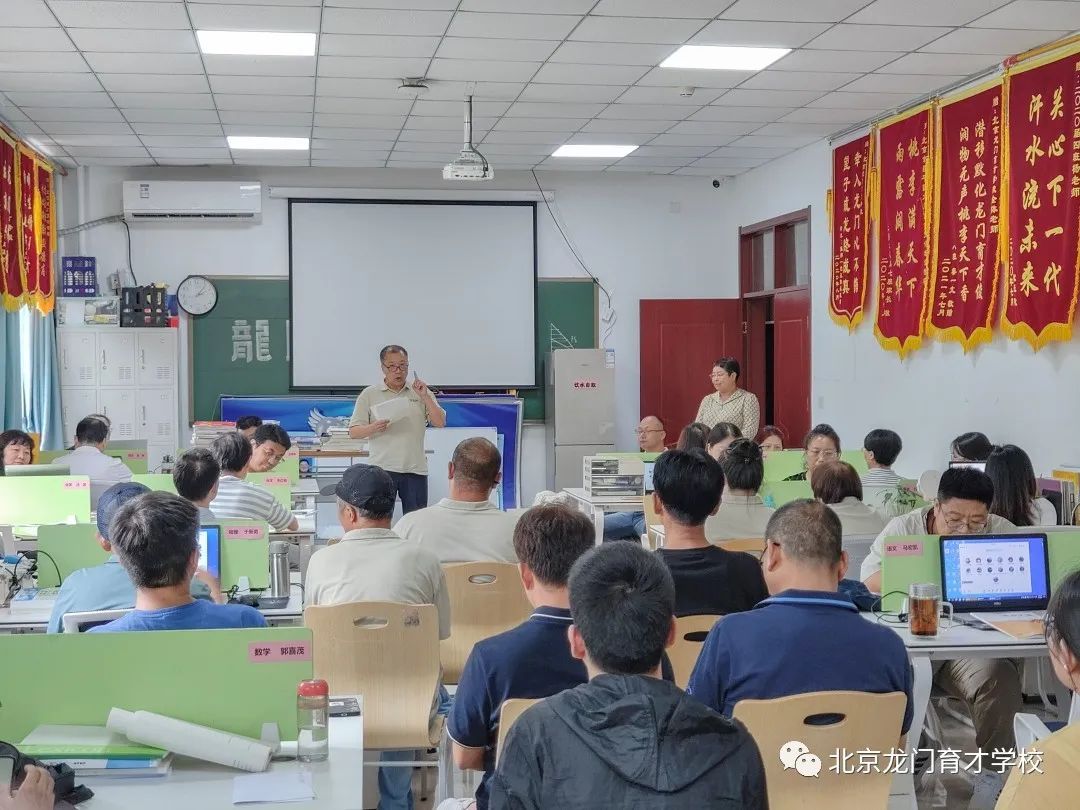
81	622
1028	730
387	652
651	519
511	710
857	547
751	545
821	723
690	632
486	598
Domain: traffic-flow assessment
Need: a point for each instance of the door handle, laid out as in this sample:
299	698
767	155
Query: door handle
103	359
144	414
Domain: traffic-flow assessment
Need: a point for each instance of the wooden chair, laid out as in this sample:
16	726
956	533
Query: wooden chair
861	721
511	710
690	633
751	545
486	598
651	519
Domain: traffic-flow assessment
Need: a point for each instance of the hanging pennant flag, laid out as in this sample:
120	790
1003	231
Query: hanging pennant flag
850	230
903	207
1042	199
45	234
26	190
11	287
966	260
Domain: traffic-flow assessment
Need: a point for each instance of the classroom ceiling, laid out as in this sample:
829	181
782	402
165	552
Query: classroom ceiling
122	82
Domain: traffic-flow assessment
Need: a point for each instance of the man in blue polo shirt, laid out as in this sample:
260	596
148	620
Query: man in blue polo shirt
801	638
533	660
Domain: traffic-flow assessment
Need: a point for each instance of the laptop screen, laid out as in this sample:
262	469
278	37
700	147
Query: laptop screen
210	549
648	475
995	572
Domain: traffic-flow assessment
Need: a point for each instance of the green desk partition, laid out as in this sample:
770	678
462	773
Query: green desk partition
276	483
158	482
71	548
210	677
37	500
290	465
857	460
134	459
781	492
781	464
245	552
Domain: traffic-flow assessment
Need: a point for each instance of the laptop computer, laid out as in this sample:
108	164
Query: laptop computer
210	549
995	572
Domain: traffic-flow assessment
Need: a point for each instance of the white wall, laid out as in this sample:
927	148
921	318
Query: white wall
1003	389
643	236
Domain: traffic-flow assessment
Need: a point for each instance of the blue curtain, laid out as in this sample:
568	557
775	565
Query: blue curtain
11	414
41	380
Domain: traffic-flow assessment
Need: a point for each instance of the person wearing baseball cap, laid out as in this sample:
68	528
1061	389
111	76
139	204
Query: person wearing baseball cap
373	564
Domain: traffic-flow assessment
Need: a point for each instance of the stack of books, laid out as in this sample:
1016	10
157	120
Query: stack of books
204	433
339	441
94	751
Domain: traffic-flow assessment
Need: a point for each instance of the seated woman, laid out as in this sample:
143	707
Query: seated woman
720	437
836	484
772	439
821	444
1016	493
16	447
971	447
741	513
693	437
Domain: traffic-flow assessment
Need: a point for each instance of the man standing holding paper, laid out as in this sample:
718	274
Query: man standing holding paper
392	416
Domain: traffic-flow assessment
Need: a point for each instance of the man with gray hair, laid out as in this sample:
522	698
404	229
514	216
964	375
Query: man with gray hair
801	638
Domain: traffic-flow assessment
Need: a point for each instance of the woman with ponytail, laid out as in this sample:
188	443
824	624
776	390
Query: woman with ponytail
742	512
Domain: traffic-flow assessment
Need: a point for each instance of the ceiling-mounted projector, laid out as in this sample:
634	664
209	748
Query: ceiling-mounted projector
470	164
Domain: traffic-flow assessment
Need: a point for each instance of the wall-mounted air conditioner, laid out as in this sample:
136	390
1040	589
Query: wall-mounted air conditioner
192	199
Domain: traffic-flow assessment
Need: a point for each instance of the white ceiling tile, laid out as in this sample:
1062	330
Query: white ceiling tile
714	127
264	85
230	65
941	64
345	163
34	39
297	119
554	110
77	82
183	141
43	114
165	101
566	125
29	13
512	26
42	62
257	157
759	114
266	103
372	67
177	63
588	93
646	112
351	134
275	130
113	14
803	80
537	138
97	140
499	91
444	123
927	12
638	169
429	135
191	152
767	98
847	37
112	40
759	33
840	100
169	116
1032	14
469	70
153	83
824	115
359	121
793	10
59	99
95	160
728	163
325	145
574	165
753	152
364	106
638	131
712	141
359	45
993	40
673	77
415	164
351	157
634	160
358	88
511	50
899	83
635	29
672	151
421	147
791	128
87	127
214	17
385	21
177	129
521	149
794	141
670	96
700	9
107	151
454	109
566	73
194	161
691	171
825	60
612	53
383	3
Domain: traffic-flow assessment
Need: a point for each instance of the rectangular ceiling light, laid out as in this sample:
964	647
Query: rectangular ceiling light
257	43
593	150
259	142
723	57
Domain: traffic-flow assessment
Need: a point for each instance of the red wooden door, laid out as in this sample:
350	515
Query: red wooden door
791	363
680	340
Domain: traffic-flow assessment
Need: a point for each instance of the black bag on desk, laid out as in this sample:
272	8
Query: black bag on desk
67	792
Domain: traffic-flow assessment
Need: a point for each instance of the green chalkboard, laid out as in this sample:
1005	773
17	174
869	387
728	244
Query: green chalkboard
240	348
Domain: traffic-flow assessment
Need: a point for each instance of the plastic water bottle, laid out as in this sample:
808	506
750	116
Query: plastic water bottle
312	716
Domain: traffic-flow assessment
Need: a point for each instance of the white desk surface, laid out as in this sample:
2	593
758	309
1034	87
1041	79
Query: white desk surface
961	641
306	486
338	782
306	521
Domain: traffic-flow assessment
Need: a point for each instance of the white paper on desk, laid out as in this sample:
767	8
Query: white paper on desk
392	409
273	787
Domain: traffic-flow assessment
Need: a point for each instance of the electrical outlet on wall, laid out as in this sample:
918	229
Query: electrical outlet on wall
114	281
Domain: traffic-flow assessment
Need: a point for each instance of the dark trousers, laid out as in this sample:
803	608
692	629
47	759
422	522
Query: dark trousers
412	489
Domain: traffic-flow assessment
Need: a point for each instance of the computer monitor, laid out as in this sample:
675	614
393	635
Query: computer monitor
975	465
16	470
210	549
988	572
648	475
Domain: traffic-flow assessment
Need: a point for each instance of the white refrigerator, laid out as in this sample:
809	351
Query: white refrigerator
580	411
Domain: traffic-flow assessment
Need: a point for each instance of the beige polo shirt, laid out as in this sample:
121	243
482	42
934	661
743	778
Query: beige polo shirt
462	531
400	448
376	565
739	516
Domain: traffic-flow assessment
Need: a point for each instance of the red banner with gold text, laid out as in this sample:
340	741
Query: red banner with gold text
903	191
966	259
26	194
45	233
1043	199
11	287
850	232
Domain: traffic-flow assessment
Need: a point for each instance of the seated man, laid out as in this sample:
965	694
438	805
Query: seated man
237	498
533	660
156	538
466	527
626	738
86	458
989	686
801	638
247	425
881	448
195	477
631	525
269	444
106	586
708	579
373	564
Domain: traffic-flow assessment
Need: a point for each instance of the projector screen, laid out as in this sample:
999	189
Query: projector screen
452	282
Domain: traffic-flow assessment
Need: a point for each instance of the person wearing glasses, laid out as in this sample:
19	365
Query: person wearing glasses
651	438
821	444
729	403
269	444
397	444
989	686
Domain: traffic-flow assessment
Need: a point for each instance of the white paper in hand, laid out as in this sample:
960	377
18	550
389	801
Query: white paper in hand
392	409
273	787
